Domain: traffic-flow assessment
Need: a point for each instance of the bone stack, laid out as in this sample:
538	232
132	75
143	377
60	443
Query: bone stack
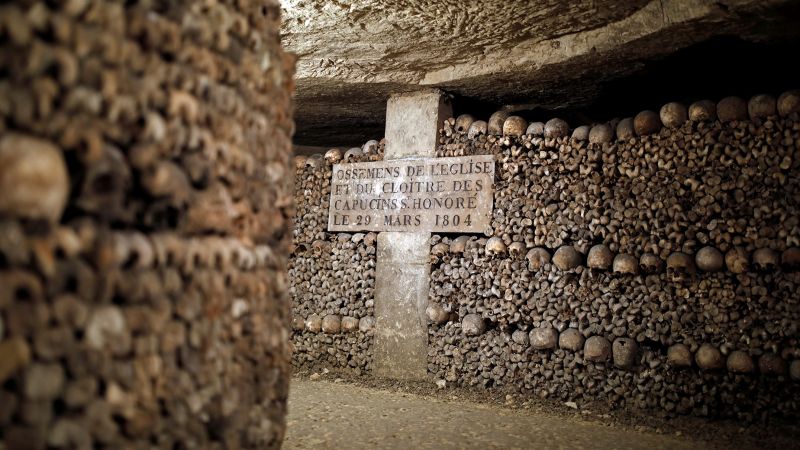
332	275
144	165
591	187
652	240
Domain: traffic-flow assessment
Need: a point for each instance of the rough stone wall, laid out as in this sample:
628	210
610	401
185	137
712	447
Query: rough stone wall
332	275
652	270
548	53
145	203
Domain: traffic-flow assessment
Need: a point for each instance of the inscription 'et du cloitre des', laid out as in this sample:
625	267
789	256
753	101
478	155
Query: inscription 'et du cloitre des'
418	194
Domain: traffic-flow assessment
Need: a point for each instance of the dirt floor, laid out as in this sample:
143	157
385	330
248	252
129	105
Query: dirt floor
341	411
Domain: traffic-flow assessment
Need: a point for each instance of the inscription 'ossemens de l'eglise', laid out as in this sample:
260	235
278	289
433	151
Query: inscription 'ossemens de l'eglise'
420	194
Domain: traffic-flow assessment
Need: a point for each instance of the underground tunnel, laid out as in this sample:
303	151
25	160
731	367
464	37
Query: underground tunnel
433	224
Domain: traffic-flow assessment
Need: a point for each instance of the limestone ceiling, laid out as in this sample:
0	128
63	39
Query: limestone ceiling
545	53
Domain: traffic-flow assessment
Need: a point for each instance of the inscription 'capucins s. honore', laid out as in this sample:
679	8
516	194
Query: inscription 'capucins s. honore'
444	194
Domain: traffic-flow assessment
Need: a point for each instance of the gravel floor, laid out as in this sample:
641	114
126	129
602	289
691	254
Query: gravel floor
331	415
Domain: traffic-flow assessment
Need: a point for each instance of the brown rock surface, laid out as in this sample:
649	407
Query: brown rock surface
547	53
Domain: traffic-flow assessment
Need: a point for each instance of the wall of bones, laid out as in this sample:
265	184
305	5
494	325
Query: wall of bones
144	225
332	275
649	262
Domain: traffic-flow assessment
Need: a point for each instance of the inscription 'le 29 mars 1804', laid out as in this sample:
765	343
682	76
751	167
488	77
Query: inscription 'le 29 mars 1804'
419	194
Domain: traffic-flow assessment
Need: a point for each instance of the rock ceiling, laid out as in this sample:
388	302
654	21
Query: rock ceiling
548	54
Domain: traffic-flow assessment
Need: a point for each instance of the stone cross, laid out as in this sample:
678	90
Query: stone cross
402	275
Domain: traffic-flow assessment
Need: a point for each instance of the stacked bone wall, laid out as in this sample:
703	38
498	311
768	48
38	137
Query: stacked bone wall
646	263
332	275
144	225
643	264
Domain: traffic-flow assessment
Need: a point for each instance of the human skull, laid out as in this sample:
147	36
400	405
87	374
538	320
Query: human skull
436	314
566	258
625	352
790	259
537	257
708	357
370	147
516	249
35	181
625	129
439	250
761	106
320	247
627	264
496	122
555	128
543	338
331	324
736	260
599	257
766	260
581	133
601	134
680	266
740	362
314	323
709	259
333	156
703	111
495	247
788	103
597	349
476	129
349	324
353	153
678	355
673	115
514	126
459	244
535	129
314	161
571	339
464	122
473	325
731	108
771	364
650	263
300	161
366	324
646	122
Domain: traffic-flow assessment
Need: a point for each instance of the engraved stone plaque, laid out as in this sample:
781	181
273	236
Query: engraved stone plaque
442	195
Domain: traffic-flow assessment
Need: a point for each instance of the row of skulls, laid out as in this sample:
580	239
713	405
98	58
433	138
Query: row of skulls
335	156
671	115
679	265
624	351
332	324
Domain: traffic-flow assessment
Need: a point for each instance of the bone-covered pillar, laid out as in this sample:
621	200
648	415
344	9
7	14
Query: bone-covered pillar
145	205
403	263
